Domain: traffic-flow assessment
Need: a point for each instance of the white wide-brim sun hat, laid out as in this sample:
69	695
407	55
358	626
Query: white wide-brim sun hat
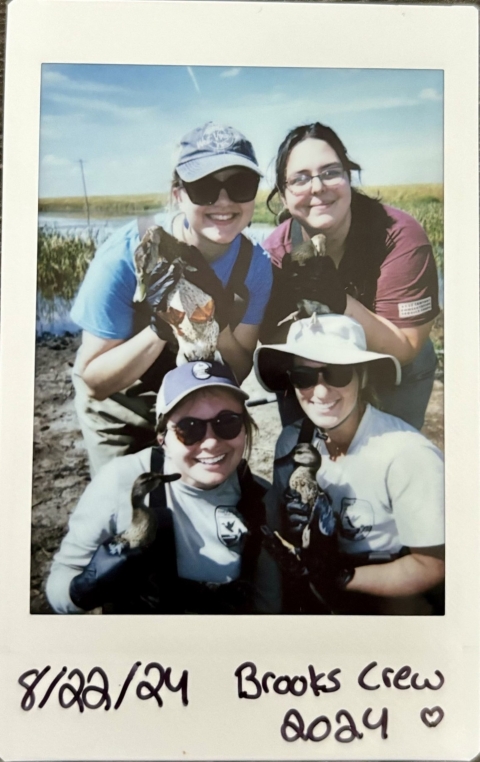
331	339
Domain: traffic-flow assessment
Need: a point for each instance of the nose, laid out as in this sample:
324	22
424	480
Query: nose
210	435
223	197
321	389
316	187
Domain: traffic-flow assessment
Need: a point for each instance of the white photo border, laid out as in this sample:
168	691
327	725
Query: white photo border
217	725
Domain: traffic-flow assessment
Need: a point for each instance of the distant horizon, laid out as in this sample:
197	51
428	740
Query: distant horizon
165	192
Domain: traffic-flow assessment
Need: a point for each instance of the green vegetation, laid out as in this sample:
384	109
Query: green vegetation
105	206
62	263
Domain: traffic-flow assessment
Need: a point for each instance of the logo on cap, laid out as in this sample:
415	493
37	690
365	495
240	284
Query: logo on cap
217	138
202	370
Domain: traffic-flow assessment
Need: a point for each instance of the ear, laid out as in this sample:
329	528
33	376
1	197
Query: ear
161	439
363	378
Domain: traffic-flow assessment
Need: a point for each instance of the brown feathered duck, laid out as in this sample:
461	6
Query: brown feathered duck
190	311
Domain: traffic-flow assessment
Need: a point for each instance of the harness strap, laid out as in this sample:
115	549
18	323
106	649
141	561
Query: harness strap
240	269
164	516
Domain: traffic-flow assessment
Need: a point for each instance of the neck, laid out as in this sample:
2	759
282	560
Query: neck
336	238
208	249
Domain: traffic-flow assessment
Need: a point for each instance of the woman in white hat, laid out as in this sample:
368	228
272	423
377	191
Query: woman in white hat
378	544
205	555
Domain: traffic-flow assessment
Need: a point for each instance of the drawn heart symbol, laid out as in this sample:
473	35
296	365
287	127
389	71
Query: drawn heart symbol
432	717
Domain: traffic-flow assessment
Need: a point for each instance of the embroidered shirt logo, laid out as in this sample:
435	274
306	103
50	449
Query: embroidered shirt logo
356	519
411	309
202	370
230	527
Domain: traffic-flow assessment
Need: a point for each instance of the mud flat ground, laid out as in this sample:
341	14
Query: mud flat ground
60	468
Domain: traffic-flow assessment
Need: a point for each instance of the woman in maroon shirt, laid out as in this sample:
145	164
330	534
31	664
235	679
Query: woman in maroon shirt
379	270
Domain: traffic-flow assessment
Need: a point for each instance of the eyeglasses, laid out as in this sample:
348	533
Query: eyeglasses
304	377
241	187
225	425
301	183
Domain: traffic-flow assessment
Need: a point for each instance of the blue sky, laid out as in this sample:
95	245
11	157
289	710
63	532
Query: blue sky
125	121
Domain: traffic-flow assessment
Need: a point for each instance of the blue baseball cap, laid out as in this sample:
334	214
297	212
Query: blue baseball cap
187	378
213	147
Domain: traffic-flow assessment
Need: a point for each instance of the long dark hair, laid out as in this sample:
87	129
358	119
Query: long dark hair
319	132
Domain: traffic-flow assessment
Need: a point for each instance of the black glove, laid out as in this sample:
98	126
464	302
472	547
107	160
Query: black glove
317	280
327	568
163	279
298	513
199	272
102	579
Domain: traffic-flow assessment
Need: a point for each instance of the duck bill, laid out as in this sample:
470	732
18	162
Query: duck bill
140	292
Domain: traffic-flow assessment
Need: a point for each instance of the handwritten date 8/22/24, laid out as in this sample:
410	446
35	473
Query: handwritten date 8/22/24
93	691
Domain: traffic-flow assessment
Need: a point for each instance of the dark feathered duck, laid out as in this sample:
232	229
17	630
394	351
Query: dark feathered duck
300	264
190	311
143	527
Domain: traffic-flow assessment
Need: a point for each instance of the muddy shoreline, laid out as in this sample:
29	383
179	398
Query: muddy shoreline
60	466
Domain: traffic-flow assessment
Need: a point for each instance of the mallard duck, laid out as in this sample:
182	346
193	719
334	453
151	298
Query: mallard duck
299	259
143	527
190	311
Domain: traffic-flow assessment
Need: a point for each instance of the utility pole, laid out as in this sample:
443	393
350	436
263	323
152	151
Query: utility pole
85	192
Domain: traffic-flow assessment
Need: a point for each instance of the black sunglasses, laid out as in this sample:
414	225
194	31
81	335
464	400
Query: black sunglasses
304	377
225	425
241	187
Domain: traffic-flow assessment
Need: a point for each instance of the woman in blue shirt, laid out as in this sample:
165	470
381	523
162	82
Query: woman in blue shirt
125	351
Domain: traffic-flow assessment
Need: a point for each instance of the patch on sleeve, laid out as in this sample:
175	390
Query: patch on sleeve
411	309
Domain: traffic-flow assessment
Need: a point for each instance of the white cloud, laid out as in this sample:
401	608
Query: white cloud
51	78
230	72
430	94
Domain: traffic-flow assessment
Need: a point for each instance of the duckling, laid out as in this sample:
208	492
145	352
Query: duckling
143	527
304	480
190	311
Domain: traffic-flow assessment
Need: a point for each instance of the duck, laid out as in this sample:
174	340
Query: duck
298	265
190	311
143	526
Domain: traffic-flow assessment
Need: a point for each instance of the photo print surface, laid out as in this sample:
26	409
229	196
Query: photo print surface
219	629
356	156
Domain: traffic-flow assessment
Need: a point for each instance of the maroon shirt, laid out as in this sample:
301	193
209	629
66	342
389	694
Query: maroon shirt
407	284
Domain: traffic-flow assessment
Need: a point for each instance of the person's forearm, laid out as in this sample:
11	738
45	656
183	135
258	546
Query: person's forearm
383	336
234	354
122	365
409	575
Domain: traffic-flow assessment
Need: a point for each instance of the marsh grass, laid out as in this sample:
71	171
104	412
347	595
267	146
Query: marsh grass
62	263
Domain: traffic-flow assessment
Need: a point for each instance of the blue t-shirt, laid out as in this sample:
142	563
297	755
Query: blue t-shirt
104	305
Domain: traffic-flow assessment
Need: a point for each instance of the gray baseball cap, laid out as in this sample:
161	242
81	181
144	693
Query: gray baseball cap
213	147
187	378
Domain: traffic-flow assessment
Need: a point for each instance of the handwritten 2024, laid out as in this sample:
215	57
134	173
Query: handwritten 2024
93	692
250	685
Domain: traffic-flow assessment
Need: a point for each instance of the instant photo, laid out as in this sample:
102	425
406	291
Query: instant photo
239	272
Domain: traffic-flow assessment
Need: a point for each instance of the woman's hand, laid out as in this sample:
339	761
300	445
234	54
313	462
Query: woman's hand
316	280
163	279
101	579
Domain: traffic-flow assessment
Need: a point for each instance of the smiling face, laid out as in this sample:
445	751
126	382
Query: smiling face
207	463
213	228
318	208
327	406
